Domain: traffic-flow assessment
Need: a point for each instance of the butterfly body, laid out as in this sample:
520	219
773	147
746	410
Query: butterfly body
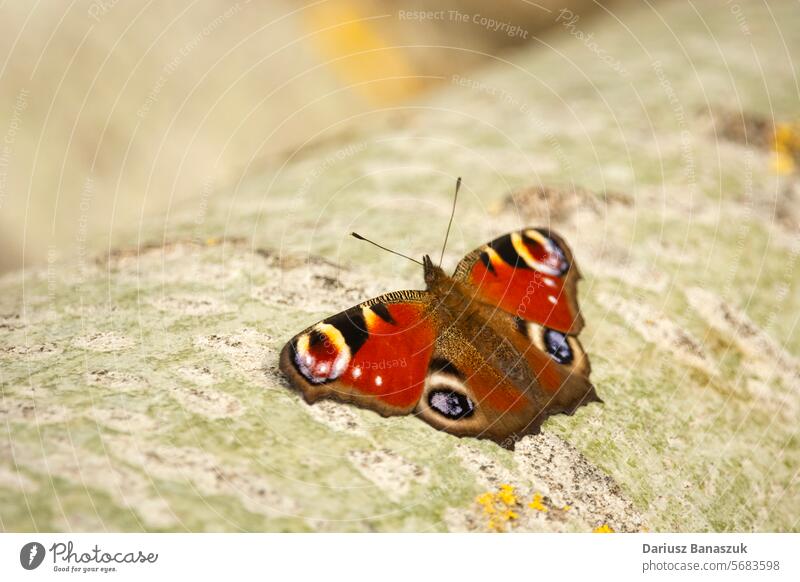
455	354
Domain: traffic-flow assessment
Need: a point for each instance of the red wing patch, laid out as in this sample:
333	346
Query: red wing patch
528	274
501	396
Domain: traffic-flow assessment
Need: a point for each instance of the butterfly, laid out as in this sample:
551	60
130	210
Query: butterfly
489	352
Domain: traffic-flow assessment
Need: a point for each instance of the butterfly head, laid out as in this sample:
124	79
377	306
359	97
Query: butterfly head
434	276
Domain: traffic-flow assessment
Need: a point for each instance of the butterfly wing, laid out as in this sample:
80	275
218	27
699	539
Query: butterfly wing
529	273
502	377
375	354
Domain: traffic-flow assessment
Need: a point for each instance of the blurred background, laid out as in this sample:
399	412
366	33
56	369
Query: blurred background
112	112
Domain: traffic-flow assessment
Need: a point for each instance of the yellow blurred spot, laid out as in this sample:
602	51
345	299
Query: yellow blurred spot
213	241
782	163
603	529
566	508
787	147
360	54
787	137
495	207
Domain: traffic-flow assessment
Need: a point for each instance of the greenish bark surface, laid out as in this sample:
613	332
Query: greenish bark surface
140	388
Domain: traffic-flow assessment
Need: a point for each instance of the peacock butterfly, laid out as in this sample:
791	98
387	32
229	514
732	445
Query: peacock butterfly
490	352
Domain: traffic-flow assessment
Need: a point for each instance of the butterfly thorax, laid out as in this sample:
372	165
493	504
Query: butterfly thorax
461	312
455	299
452	298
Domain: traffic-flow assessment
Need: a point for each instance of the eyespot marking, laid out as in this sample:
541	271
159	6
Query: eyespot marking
557	345
352	326
315	337
551	258
451	404
539	252
322	354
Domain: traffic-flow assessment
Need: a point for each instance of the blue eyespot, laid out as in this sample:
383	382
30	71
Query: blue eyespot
557	346
451	404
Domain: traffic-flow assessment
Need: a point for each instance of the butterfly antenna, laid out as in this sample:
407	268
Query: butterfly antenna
359	237
449	224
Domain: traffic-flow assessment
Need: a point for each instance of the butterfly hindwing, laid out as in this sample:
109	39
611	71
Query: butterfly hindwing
467	395
375	354
560	363
503	377
529	273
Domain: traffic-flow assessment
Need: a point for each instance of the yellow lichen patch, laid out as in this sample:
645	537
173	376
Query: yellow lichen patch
505	508
536	503
605	528
506	495
487	501
501	507
508	515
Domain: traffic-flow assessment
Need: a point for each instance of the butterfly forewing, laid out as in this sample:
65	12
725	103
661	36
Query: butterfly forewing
529	273
375	354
